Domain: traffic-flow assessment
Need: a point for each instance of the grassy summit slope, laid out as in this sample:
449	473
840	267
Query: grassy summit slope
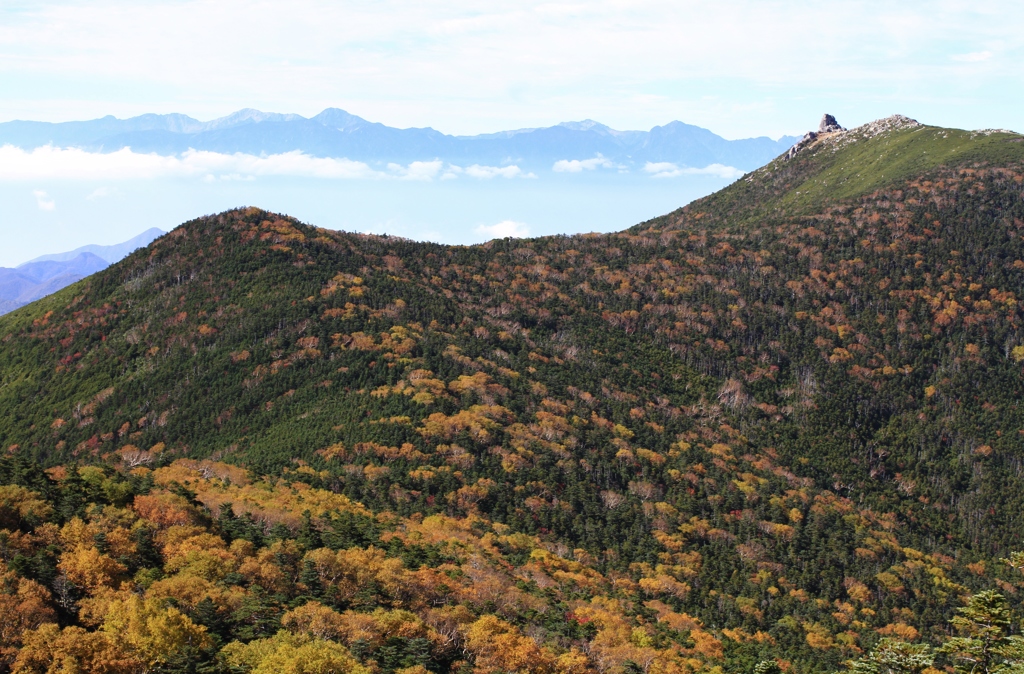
783	421
854	163
881	155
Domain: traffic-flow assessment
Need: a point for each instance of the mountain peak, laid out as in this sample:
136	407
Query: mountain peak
846	165
890	123
584	125
830	130
338	119
250	116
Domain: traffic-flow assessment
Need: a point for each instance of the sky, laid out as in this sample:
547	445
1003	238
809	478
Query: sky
741	68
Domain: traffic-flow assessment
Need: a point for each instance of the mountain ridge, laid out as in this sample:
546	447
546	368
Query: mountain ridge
760	431
908	148
336	133
31	281
111	253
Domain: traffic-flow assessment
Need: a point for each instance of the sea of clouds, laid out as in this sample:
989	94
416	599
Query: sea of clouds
57	163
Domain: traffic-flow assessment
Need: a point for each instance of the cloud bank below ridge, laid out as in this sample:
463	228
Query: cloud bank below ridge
54	163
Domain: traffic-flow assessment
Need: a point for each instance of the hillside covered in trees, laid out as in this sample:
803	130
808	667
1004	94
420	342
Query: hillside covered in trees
778	429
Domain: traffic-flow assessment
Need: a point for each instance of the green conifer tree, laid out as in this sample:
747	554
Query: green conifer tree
983	645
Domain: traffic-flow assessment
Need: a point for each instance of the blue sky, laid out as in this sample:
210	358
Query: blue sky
739	68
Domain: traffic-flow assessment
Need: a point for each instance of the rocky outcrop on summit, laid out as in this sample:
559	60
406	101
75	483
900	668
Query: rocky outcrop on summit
863	159
829	124
869	130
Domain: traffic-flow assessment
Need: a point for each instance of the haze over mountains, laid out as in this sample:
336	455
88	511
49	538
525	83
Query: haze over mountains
336	133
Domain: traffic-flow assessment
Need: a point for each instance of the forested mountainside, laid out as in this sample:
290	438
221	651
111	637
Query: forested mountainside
777	429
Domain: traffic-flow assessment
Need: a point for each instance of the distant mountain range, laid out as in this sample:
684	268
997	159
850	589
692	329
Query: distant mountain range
110	254
336	133
49	273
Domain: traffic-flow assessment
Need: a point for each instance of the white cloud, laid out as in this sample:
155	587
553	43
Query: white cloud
488	172
233	177
43	201
99	193
973	57
74	164
721	170
429	170
485	172
418	170
664	169
580	165
504	228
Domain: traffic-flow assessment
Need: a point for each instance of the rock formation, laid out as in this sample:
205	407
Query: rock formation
829	124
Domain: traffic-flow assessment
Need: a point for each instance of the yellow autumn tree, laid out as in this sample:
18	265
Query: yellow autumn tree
189	591
315	619
90	569
24	605
287	653
20	505
574	661
52	650
501	647
348	571
152	630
